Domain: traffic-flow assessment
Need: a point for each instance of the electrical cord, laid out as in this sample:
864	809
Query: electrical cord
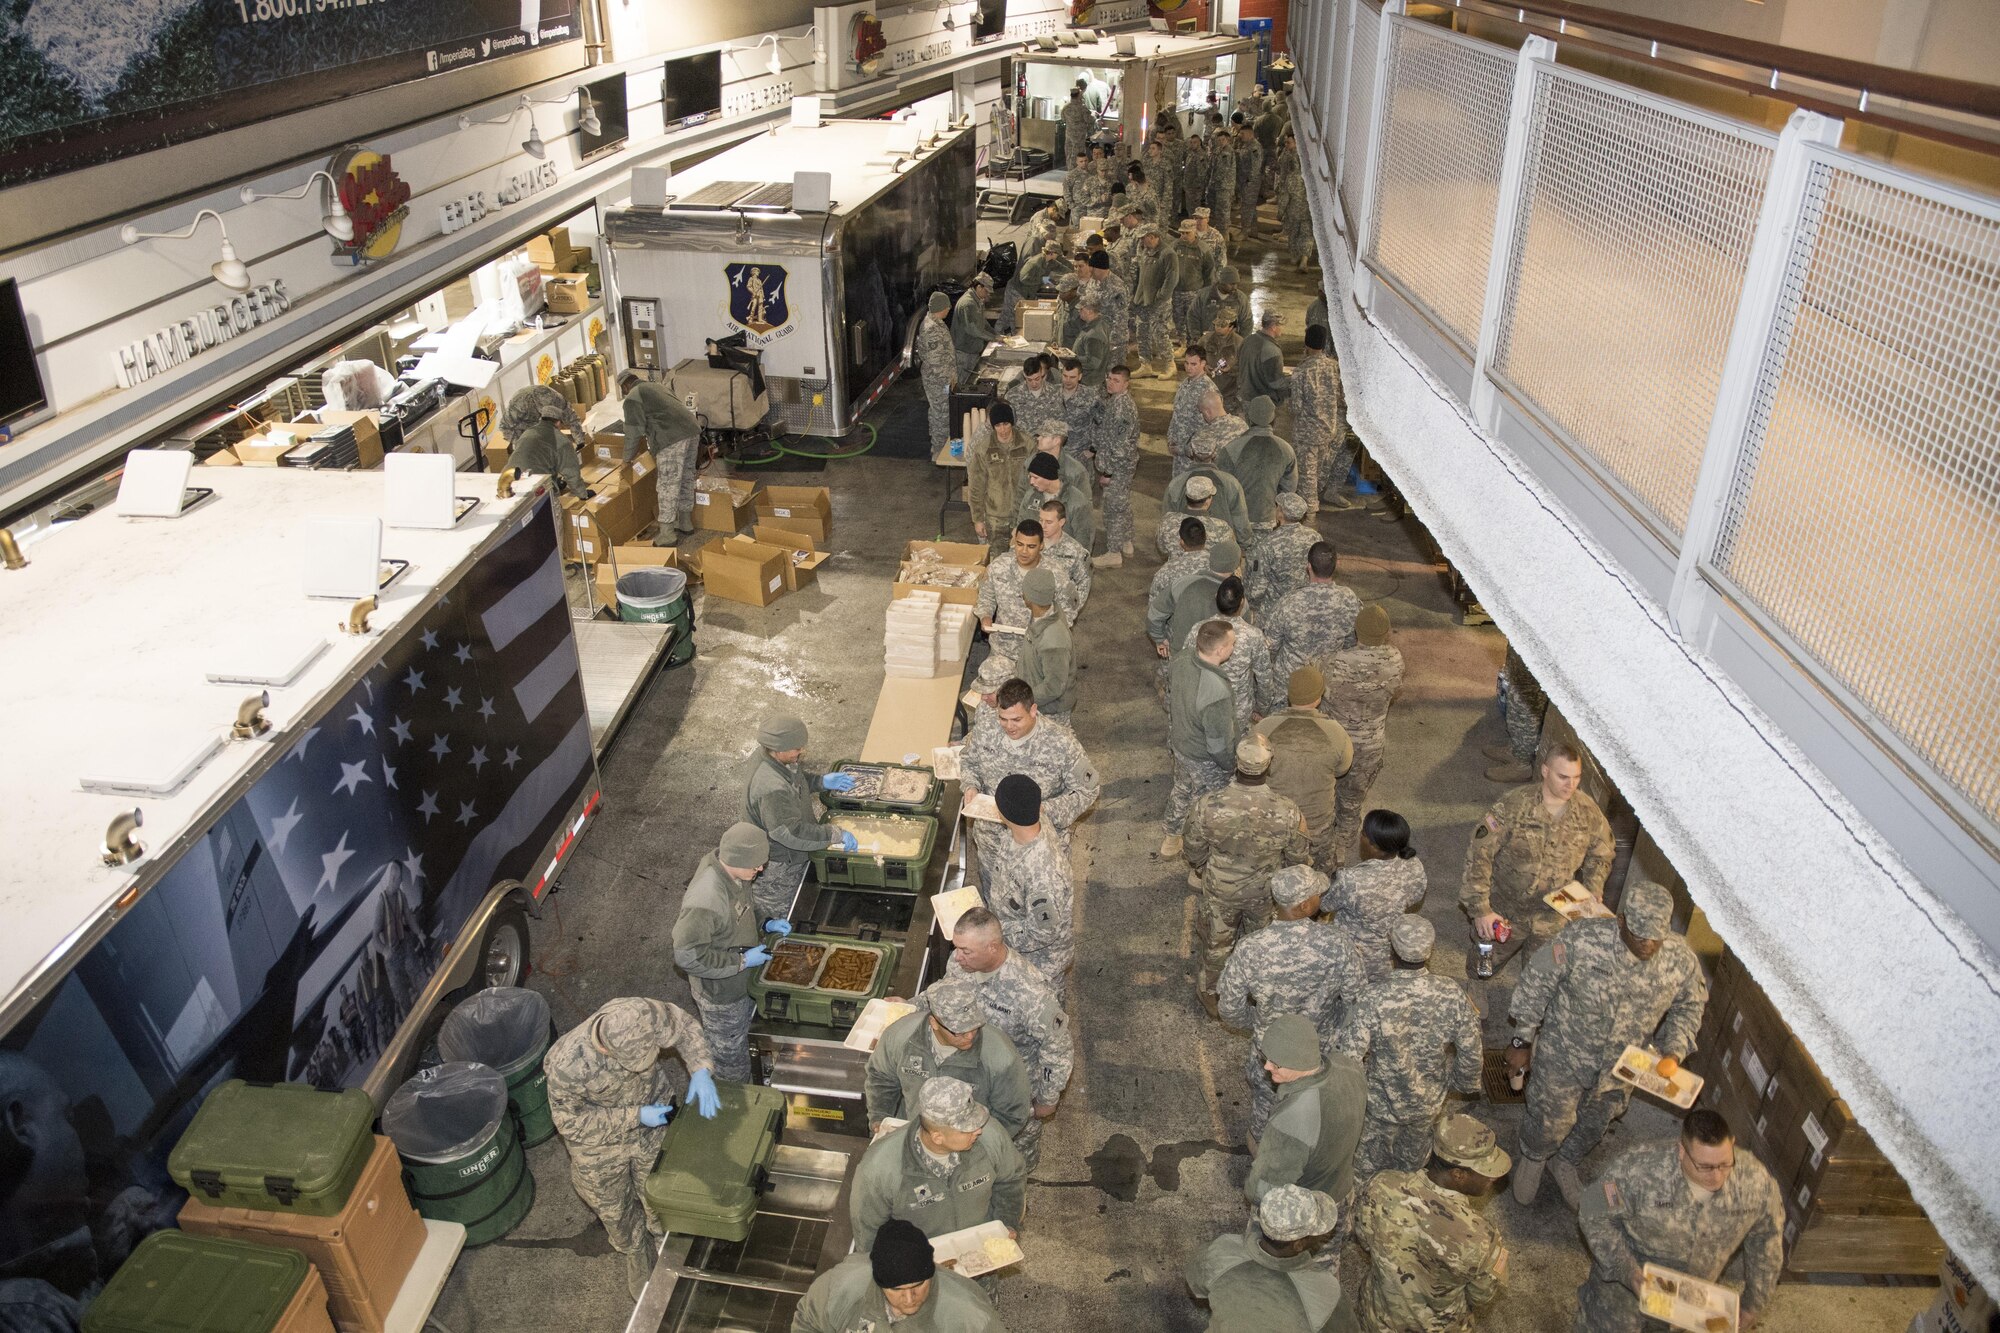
783	452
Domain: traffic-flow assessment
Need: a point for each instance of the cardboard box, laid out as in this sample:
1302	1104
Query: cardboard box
258	450
625	505
807	509
972	555
609	449
803	559
367	434
552	251
566	293
725	511
626	558
497	452
745	571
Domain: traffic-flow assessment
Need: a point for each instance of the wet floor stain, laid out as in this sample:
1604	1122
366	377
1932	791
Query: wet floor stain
1117	1168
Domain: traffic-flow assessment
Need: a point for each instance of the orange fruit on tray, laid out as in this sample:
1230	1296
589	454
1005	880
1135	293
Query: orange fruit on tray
1667	1066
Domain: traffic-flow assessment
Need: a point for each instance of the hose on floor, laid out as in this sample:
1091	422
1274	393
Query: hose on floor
835	457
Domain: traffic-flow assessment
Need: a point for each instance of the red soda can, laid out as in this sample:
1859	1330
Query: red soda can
1502	932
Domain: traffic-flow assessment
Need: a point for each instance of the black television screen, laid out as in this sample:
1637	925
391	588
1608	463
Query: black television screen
691	89
607	99
20	381
989	20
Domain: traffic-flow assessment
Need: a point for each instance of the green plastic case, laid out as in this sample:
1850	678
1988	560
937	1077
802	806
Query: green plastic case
181	1283
813	1004
865	870
282	1147
710	1172
834	800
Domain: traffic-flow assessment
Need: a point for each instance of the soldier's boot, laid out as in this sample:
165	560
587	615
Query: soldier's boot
1109	560
1567	1181
1499	754
638	1268
1208	1001
1170	846
1194	880
1126	549
1527	1180
1513	773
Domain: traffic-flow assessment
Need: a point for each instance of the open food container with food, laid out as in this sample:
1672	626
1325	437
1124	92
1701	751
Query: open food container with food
897	789
892	851
826	980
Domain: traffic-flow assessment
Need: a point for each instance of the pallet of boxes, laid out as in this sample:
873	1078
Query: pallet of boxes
1846	1208
789	530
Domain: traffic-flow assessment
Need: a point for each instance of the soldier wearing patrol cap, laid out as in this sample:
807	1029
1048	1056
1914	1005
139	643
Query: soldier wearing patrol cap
1234	840
717	938
1402	1028
778	799
1047	658
949	1040
1273	1277
1432	1255
938	356
971	330
1295	965
611	1096
1598	987
950	1169
1316	1125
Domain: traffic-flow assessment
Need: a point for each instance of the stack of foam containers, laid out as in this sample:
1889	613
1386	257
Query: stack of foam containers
910	636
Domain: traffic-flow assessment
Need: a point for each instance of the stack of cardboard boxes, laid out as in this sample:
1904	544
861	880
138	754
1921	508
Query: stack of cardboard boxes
783	552
1846	1208
625	504
568	272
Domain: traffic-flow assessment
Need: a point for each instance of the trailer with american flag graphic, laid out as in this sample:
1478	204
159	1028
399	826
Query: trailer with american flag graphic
308	900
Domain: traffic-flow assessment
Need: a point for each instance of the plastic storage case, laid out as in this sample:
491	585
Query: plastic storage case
813	1002
279	1146
834	800
177	1283
363	1252
870	871
710	1172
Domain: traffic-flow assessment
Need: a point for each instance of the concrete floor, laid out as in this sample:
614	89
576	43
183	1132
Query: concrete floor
1144	1163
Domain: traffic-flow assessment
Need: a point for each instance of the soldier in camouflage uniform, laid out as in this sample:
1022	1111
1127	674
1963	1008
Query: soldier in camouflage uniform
1272	1278
1197	503
1251	679
1216	246
1222	179
1361	683
1079	125
1141	195
1527	706
1044	225
1069	324
1294	216
655	420
1036	397
1309	625
1316	1124
1224	294
1534	840
950	1169
1191	542
1016	998
1164	177
1044	264
1153	303
1190	277
1002	611
1029	883
1265	465
778	799
948	1038
1063	552
1689	1205
1187	416
938	358
1178	609
1400	1028
718	940
1324	452
1598	987
1195	168
610	1096
1295	965
535	404
1235	839
1020	740
1076	404
1084	194
1114	436
971	330
996	449
1309	752
1278	565
1114	302
1201	727
1372	894
1432	1255
1249	179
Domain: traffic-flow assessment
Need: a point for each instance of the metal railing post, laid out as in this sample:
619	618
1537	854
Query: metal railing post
1506	220
1757	318
1364	226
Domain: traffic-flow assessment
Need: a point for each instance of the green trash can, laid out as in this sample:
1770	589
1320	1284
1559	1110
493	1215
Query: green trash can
659	597
507	1028
460	1143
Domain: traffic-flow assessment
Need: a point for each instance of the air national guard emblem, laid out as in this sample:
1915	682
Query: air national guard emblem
757	296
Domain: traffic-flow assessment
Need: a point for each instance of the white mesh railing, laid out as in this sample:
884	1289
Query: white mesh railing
1865	516
1444	135
1636	218
1355	118
1330	91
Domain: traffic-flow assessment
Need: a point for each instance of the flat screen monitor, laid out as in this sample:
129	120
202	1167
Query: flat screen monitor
691	89
21	392
607	98
989	20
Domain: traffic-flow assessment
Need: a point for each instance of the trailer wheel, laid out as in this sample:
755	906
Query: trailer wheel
503	951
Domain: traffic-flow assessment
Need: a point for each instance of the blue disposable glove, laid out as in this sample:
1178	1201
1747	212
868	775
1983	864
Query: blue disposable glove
701	1091
777	925
847	842
652	1117
837	782
755	956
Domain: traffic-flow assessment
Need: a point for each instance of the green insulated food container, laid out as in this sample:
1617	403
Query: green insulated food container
822	979
903	872
710	1172
179	1283
282	1147
890	789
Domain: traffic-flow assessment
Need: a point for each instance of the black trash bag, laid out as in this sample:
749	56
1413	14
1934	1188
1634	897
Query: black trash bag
1001	261
446	1111
503	1026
